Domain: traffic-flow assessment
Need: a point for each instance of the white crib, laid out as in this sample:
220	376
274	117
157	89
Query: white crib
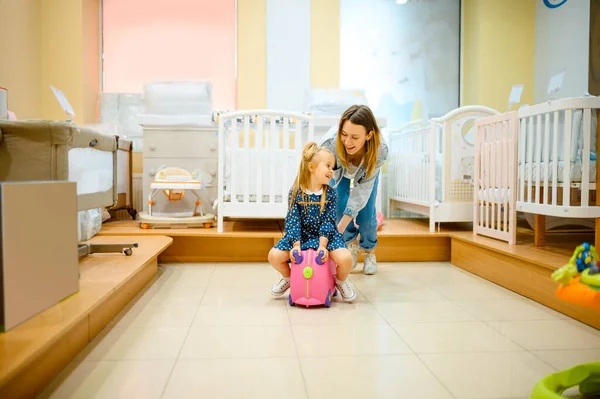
259	155
430	166
540	160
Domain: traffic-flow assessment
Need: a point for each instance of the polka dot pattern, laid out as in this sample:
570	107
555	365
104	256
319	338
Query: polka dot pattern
305	222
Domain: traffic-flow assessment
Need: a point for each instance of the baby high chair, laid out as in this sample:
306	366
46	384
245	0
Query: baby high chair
167	193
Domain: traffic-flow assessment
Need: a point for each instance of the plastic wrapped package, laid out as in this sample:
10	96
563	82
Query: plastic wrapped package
122	108
89	223
178	98
109	107
130	106
334	101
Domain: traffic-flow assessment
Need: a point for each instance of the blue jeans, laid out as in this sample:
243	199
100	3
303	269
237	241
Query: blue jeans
366	218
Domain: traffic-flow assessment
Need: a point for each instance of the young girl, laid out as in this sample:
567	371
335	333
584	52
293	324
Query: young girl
360	151
310	222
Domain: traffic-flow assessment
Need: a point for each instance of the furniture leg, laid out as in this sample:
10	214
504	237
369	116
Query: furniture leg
539	230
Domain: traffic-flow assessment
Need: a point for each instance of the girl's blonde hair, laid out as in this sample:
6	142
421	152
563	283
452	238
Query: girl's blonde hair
310	153
360	115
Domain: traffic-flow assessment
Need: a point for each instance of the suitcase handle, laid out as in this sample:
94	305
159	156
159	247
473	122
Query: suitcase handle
298	256
319	258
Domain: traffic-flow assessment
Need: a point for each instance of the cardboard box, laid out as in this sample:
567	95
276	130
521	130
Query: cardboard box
39	263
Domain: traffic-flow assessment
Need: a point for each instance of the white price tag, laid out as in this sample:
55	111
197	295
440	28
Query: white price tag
64	103
555	83
515	94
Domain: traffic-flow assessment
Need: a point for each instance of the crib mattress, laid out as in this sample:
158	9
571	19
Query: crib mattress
242	164
575	173
47	150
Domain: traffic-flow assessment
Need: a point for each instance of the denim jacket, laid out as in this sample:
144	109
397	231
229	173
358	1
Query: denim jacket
362	185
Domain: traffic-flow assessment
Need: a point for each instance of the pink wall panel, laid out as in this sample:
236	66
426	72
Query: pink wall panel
158	40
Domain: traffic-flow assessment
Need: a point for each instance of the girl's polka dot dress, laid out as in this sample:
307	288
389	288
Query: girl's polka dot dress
306	222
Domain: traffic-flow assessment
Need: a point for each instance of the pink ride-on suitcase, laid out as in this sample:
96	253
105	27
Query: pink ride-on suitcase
312	282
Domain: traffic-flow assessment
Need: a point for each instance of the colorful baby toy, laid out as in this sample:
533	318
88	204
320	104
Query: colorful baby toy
582	290
312	281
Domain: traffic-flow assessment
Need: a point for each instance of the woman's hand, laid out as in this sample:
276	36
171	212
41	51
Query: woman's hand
344	222
325	253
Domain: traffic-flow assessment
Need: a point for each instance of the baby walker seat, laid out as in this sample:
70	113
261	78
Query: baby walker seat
173	183
312	281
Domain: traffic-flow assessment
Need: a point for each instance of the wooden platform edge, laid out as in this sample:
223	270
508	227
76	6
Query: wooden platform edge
32	376
256	249
526	278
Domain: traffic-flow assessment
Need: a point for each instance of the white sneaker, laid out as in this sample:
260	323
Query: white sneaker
370	266
346	291
354	250
281	287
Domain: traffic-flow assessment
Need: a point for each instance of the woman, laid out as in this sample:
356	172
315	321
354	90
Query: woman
359	151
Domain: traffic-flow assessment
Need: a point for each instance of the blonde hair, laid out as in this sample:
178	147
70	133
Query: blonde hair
310	153
360	115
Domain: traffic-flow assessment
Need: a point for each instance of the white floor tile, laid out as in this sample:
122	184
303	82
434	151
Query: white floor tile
238	342
135	344
455	337
236	378
399	376
124	379
425	311
565	359
272	313
506	310
488	375
348	340
548	334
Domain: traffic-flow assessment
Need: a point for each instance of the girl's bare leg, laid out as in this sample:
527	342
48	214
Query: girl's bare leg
278	259
343	258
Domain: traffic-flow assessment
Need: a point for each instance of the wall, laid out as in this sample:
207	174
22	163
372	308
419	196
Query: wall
498	51
20	55
325	43
251	54
562	41
62	62
91	61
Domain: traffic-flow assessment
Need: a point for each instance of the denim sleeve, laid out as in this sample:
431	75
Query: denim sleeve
292	221
328	226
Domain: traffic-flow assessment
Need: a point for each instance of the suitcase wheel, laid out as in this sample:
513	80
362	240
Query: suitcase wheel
328	299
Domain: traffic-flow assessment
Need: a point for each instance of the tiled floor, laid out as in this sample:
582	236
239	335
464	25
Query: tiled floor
417	330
